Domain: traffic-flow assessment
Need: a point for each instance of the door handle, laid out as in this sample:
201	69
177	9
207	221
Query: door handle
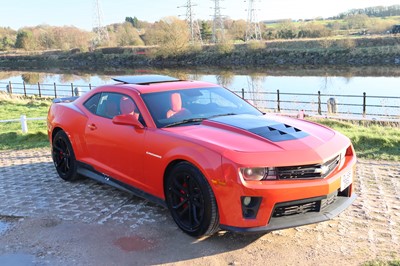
92	127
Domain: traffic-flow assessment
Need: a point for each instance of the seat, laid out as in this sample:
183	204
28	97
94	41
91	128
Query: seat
111	109
176	104
127	106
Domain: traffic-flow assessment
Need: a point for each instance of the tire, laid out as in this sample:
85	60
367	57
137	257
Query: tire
64	157
191	200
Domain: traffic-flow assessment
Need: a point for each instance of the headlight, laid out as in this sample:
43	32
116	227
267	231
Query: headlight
343	154
342	159
258	173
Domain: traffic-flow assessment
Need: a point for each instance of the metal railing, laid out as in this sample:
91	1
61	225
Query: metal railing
320	103
311	103
45	89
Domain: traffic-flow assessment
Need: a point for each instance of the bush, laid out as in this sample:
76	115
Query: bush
256	45
225	47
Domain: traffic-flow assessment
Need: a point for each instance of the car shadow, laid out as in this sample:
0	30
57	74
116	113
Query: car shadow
149	235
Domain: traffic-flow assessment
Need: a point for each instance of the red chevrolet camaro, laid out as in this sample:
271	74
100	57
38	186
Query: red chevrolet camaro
212	158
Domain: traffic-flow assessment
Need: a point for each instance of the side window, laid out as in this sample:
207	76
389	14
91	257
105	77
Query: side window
92	103
110	104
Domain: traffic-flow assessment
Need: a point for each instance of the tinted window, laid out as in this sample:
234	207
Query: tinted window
200	103
92	103
109	104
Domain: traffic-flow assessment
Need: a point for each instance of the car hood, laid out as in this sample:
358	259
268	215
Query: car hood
252	140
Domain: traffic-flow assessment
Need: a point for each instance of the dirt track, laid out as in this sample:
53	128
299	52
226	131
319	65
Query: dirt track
45	221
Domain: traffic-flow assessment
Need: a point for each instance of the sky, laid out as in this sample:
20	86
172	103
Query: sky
80	13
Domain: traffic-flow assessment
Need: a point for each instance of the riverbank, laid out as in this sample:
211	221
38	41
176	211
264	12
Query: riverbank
365	51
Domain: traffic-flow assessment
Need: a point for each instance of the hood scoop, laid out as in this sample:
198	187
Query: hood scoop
263	127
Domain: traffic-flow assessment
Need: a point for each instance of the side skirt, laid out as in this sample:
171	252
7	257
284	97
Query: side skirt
88	171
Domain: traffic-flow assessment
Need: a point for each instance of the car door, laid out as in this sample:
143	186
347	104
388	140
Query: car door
115	150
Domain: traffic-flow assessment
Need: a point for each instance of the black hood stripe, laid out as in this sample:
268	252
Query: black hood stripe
262	126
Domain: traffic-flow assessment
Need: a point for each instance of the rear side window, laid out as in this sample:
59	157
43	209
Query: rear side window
110	104
92	103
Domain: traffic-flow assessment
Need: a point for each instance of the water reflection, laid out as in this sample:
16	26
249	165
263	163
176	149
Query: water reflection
32	78
298	87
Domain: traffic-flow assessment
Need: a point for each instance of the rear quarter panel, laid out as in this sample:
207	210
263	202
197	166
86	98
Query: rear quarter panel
71	119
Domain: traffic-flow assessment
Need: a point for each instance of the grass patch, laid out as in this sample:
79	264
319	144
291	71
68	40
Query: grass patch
11	136
19	141
371	140
382	263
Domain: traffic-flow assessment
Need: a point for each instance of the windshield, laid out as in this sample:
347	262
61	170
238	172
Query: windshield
191	106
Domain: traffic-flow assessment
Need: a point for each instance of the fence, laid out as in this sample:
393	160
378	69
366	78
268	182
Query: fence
319	103
23	119
45	90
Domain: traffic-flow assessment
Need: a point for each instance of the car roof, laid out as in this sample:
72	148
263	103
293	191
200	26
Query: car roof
158	83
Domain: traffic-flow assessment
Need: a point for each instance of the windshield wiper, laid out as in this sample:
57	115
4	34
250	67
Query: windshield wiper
222	115
185	121
194	120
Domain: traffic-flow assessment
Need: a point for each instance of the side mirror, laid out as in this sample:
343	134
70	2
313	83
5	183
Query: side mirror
128	120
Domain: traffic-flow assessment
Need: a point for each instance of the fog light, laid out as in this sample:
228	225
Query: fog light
246	201
250	206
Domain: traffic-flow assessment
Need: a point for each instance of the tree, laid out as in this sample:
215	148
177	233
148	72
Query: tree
134	21
6	43
25	40
171	35
45	38
287	30
357	21
206	31
238	30
125	34
7	38
313	30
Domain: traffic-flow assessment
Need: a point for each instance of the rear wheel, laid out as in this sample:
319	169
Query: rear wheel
64	157
191	200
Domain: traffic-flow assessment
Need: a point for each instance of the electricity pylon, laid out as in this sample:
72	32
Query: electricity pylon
195	34
98	28
253	31
218	24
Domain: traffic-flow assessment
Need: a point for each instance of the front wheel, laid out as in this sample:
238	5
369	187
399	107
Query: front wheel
64	157
191	200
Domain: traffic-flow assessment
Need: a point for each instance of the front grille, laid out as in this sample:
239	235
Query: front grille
310	171
304	206
297	209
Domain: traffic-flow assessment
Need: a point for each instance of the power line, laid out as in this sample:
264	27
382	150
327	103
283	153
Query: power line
253	31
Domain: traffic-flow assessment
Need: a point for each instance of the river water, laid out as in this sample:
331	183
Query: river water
298	88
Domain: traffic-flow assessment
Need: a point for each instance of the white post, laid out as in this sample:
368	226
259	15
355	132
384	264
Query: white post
24	125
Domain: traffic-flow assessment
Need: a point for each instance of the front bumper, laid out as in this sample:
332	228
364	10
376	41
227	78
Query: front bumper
284	203
278	223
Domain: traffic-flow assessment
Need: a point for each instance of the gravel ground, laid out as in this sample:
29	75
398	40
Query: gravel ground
46	221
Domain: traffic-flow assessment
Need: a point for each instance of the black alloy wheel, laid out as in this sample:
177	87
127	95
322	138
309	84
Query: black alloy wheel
64	157
191	200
